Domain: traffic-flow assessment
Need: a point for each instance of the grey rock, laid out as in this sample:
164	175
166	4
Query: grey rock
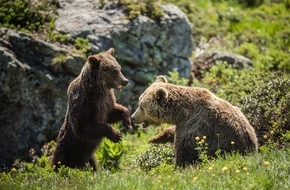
144	47
32	93
208	58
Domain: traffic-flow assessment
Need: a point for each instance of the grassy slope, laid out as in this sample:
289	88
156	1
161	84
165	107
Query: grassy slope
267	170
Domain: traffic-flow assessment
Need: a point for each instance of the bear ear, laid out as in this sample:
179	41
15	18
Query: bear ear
161	78
92	59
161	94
111	51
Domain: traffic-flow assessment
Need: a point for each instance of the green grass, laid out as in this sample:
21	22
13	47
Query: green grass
269	169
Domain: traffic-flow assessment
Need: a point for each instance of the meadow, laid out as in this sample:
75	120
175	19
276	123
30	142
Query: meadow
268	169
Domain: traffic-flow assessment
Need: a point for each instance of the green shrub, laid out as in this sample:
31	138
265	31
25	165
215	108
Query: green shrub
155	156
27	15
227	82
82	44
149	8
54	36
268	110
249	50
174	78
251	2
109	154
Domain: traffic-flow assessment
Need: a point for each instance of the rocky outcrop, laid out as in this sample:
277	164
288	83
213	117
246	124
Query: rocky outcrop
207	54
34	74
32	92
144	47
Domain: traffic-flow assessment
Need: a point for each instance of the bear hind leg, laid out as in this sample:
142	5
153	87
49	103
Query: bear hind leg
93	163
185	156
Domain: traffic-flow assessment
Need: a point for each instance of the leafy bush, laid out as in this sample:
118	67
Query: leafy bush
147	8
82	44
155	156
26	14
174	78
109	155
268	110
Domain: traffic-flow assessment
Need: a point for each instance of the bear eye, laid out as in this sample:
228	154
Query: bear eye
105	68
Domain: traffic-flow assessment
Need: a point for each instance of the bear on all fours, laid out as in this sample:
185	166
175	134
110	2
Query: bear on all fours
195	112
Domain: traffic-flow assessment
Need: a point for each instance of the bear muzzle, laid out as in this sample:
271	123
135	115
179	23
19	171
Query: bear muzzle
137	119
121	82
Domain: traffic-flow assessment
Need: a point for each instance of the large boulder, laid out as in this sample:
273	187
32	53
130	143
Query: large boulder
32	92
209	53
144	47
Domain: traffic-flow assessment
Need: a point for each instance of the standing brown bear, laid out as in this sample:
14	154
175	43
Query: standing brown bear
91	106
196	112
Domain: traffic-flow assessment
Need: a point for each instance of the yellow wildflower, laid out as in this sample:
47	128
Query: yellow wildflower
266	163
232	142
224	168
204	137
195	178
245	169
265	136
272	132
197	138
237	171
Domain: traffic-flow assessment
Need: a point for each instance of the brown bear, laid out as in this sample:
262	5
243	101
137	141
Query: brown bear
196	112
91	107
165	136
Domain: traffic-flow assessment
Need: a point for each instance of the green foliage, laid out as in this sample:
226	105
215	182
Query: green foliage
268	109
149	8
53	36
173	77
155	156
48	148
27	15
109	155
249	50
249	3
266	170
202	148
82	44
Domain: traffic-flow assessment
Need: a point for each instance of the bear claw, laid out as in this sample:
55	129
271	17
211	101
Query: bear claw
117	137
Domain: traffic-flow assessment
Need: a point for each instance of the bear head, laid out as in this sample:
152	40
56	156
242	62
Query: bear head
152	103
106	69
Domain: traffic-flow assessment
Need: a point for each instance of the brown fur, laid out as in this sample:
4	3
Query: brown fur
195	112
91	106
165	136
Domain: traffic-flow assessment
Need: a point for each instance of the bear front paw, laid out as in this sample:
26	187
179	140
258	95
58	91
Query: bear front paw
127	124
153	140
117	137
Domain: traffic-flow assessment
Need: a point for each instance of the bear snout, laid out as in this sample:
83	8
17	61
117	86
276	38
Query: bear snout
125	82
135	117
